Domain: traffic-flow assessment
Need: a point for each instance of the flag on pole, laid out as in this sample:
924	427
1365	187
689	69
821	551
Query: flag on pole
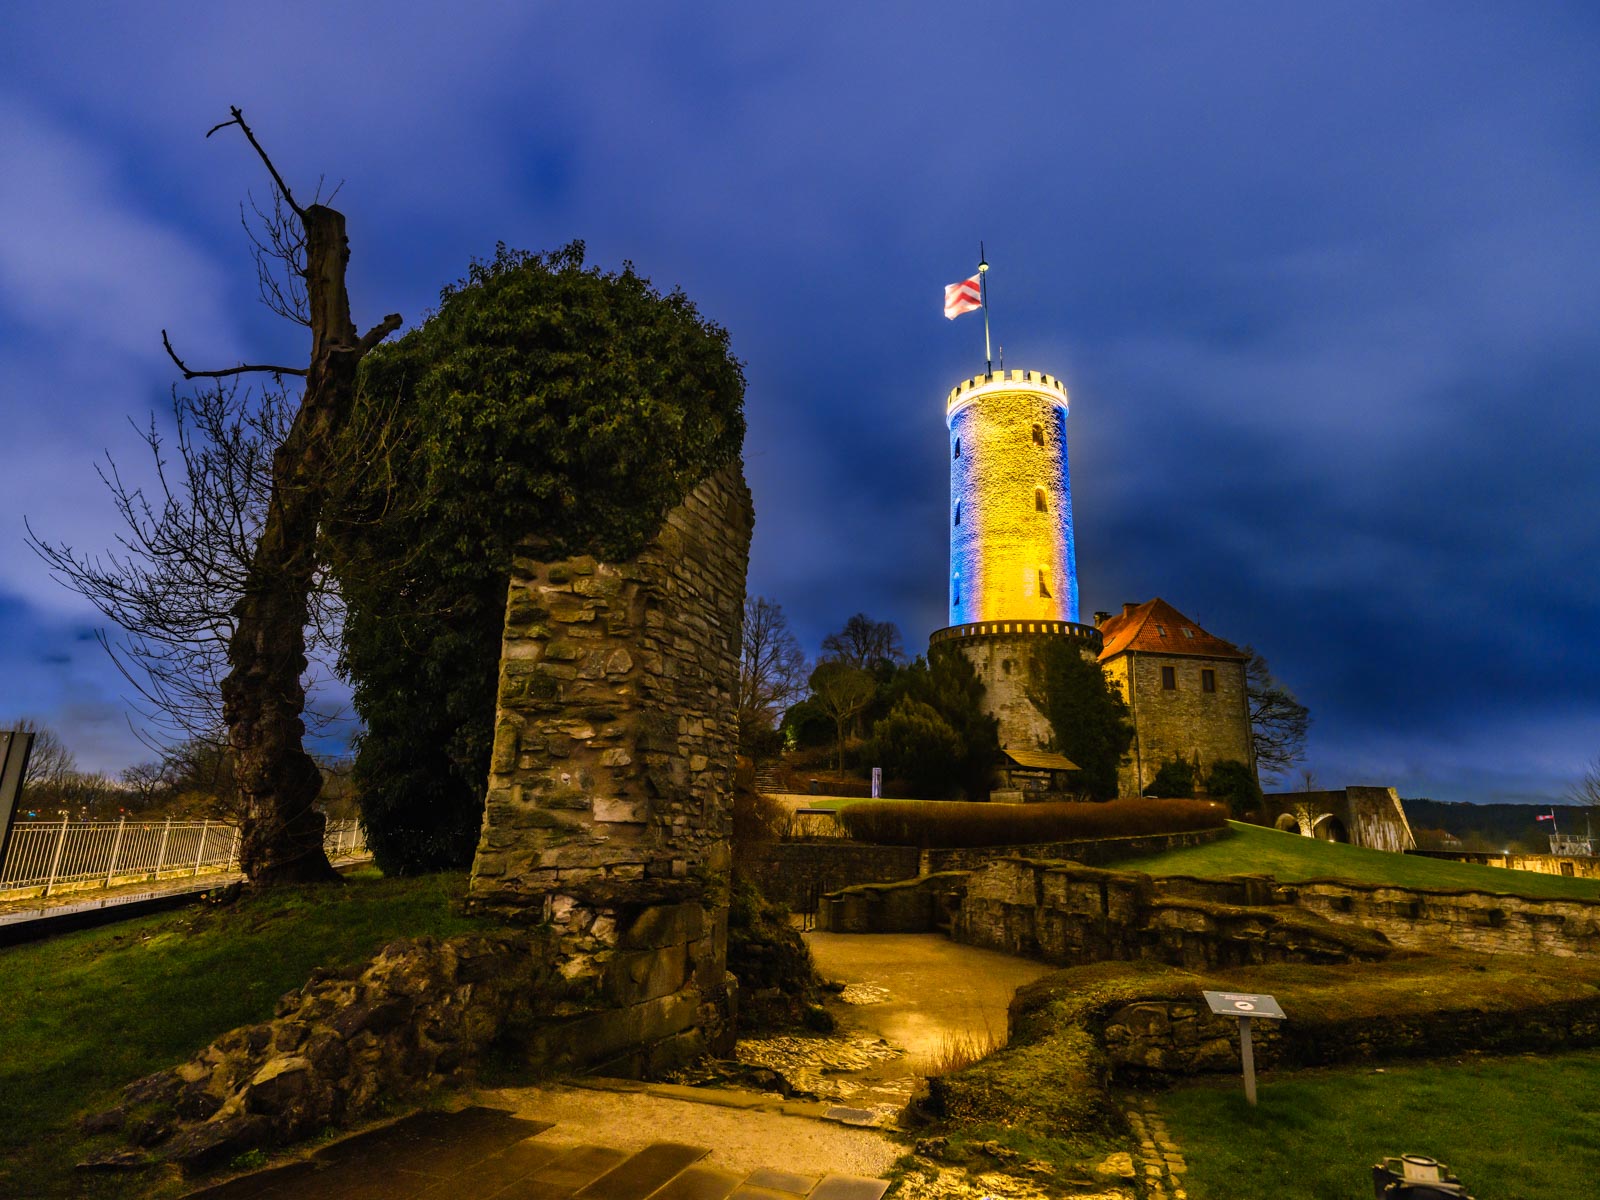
963	297
1545	817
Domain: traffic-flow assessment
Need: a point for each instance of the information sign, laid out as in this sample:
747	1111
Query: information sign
1243	1006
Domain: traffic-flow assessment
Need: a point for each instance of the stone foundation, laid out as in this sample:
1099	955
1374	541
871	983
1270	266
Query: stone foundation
611	780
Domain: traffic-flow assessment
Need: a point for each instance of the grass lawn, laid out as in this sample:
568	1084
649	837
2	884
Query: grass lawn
85	1013
1518	1128
1254	850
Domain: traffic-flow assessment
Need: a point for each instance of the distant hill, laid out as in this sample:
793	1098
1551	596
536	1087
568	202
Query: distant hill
1496	826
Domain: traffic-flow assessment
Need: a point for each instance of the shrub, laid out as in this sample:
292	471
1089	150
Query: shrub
947	824
1233	783
1175	778
916	744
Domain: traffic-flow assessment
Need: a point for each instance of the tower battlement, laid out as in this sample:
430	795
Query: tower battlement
968	390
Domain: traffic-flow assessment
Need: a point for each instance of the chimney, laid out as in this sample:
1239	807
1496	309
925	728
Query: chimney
1100	618
1127	609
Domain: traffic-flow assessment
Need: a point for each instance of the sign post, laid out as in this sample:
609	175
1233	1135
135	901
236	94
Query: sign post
877	783
1243	1006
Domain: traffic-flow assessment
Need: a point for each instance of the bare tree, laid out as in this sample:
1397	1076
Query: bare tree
172	584
772	668
263	691
842	690
1585	790
1278	722
865	643
50	763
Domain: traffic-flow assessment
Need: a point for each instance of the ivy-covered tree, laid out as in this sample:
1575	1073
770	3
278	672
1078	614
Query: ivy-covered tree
1234	784
1175	780
1087	715
544	403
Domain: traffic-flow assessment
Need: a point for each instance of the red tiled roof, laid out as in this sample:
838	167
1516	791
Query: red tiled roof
1157	627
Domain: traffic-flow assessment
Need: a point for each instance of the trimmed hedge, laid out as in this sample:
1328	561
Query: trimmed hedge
936	824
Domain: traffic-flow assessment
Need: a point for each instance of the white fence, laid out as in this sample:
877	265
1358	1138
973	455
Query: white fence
48	856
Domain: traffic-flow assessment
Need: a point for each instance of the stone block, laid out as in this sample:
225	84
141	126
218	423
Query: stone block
662	925
639	975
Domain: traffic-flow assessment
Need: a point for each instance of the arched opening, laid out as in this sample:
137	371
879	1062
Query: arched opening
1287	823
1330	829
1040	502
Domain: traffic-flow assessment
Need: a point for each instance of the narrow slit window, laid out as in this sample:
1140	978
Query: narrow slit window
955	590
1169	679
1208	681
1044	584
1038	435
955	451
958	512
1040	504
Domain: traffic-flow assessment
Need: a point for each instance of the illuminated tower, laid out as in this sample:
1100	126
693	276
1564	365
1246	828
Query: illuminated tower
1013	569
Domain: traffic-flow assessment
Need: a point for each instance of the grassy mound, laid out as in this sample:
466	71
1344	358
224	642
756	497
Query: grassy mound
948	824
88	1012
1254	850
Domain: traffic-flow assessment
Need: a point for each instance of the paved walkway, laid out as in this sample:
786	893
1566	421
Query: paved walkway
479	1153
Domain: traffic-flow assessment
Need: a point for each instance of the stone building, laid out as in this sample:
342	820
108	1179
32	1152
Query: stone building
1185	690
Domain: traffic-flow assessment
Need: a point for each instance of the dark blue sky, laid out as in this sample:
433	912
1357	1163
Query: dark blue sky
1322	281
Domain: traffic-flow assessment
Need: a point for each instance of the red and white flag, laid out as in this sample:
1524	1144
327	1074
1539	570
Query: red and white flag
1544	817
962	297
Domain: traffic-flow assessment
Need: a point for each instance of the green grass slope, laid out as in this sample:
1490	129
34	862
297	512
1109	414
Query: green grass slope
83	1014
1254	850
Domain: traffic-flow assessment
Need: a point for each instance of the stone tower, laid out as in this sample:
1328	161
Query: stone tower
1013	567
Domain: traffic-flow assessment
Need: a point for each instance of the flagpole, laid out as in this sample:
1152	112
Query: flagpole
983	295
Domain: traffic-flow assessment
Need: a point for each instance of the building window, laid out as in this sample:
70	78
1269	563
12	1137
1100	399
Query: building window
958	512
1044	584
1208	681
1040	504
956	451
1038	435
1169	679
1187	632
1162	630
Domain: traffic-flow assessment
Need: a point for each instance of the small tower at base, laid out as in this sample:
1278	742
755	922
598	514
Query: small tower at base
1013	563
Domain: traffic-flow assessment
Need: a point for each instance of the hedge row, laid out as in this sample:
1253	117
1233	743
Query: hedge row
944	824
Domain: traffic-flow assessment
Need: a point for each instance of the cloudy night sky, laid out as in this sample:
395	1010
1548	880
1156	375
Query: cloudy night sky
1323	282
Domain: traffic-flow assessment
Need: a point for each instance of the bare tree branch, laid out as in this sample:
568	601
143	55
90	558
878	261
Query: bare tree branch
380	331
238	119
239	370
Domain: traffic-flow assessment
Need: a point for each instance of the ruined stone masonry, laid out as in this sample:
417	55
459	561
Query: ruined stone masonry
610	786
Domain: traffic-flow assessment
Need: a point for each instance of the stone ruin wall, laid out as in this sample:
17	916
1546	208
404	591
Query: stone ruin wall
611	779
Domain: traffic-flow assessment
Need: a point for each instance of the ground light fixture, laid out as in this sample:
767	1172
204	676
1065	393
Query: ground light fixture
1415	1177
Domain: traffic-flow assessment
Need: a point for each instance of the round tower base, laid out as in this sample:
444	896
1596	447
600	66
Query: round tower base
1004	654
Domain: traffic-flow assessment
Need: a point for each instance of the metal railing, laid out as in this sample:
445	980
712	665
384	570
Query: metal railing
78	855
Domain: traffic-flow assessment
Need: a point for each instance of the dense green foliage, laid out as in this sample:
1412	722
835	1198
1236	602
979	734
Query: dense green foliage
945	683
1087	714
95	1010
1253	849
1233	783
1175	778
543	403
956	824
914	744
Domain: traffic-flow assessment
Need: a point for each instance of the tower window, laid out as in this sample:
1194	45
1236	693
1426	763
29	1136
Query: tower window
1208	681
958	512
1038	435
1040	504
955	590
955	451
1169	679
1044	584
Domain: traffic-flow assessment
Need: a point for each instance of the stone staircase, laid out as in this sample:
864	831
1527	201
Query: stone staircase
769	780
478	1153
